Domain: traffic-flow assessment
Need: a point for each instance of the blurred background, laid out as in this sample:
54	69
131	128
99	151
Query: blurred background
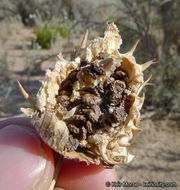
33	32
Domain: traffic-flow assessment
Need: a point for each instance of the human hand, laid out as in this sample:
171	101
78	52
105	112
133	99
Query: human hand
26	162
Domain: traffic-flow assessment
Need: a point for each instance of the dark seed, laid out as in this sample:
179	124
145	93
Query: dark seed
74	103
108	82
120	74
115	99
98	90
78	118
88	71
73	75
117	86
73	129
119	114
83	133
63	100
94	114
89	126
89	99
97	69
72	143
67	84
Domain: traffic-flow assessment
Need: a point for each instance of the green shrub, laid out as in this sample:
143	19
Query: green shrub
46	35
61	30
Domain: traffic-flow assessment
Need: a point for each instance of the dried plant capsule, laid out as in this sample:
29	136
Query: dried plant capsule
87	108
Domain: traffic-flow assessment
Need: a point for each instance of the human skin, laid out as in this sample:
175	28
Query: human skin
27	163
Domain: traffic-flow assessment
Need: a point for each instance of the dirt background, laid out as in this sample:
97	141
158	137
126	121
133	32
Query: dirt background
158	144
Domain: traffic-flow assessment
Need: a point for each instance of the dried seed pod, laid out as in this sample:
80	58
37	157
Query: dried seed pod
105	86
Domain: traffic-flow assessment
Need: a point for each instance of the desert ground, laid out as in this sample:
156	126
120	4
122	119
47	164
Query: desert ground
158	144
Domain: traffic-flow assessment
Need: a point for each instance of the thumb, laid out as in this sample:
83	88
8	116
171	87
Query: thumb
25	161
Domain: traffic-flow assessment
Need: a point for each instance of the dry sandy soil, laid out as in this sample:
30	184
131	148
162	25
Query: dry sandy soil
158	145
157	153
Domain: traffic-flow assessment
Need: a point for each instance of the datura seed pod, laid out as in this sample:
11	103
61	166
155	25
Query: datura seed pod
88	108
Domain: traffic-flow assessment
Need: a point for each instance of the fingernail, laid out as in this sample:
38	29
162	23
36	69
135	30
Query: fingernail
24	161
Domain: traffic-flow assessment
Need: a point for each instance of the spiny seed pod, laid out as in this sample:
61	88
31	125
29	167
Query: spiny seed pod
88	108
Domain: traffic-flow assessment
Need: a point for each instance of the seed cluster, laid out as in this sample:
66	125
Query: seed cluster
88	107
97	107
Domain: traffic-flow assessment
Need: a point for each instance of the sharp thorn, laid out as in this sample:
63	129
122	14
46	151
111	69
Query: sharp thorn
60	56
127	144
136	129
150	84
26	95
143	96
133	143
144	84
148	79
84	41
147	64
133	48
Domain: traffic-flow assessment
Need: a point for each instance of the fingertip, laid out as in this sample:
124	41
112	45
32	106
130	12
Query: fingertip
25	162
78	175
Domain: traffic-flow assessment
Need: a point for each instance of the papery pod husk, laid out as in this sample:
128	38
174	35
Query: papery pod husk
107	145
